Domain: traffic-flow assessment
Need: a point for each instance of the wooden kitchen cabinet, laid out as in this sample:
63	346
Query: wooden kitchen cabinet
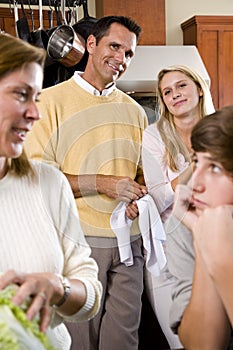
149	14
213	37
7	22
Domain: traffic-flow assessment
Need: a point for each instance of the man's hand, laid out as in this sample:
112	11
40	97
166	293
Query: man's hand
121	188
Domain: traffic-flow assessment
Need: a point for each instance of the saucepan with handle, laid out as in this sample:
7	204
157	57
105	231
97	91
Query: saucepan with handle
66	46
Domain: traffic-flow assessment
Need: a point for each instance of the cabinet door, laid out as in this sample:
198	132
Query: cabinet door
208	49
225	67
213	36
149	14
216	49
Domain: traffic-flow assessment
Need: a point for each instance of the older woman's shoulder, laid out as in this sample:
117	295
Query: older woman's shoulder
44	167
46	172
51	181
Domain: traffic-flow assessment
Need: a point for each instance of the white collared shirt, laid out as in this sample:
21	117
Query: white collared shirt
91	89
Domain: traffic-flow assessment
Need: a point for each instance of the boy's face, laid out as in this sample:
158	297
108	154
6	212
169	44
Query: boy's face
212	186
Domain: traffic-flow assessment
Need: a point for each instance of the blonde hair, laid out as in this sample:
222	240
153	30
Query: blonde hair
172	141
16	54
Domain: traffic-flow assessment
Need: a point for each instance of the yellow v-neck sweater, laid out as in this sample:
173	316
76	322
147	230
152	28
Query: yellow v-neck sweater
85	134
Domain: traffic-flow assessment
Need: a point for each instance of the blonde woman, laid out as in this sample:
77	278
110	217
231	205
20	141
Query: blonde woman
184	98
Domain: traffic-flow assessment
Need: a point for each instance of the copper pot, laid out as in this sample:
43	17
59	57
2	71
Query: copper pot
66	46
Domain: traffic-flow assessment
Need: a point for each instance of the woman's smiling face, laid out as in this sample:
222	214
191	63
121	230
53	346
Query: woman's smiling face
19	92
180	94
212	186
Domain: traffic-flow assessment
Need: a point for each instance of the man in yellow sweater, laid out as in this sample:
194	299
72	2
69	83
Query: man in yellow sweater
92	132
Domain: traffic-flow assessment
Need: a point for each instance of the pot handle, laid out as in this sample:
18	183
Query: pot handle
76	4
50	15
31	15
85	9
57	11
16	15
63	11
41	14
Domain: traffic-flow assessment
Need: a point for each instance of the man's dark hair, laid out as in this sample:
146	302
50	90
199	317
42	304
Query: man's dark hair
102	26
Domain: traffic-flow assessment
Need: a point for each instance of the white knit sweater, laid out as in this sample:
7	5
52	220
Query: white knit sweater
40	232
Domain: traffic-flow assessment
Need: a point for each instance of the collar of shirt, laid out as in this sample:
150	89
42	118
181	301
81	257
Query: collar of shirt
91	89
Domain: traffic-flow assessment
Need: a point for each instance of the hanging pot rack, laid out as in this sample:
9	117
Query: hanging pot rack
64	41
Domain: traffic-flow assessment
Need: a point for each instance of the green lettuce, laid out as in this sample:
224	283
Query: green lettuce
16	331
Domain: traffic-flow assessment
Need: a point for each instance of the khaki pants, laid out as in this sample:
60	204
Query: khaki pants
116	325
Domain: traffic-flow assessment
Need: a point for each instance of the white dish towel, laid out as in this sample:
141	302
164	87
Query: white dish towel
152	232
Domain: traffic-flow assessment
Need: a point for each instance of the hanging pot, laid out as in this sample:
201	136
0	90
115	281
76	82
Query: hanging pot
66	46
39	37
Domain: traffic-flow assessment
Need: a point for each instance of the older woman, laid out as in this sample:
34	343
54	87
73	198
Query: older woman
42	247
202	262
